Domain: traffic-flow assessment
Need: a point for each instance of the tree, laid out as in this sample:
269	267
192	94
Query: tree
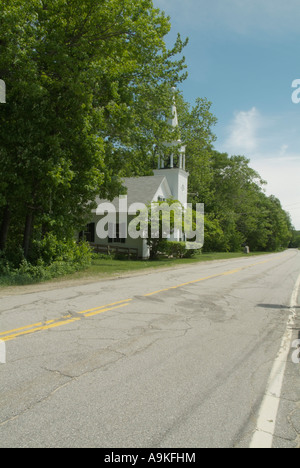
196	124
240	210
295	242
163	218
87	84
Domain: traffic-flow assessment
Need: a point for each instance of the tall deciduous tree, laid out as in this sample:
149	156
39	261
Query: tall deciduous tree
196	131
87	84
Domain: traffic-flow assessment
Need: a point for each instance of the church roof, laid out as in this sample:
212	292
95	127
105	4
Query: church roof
139	190
142	189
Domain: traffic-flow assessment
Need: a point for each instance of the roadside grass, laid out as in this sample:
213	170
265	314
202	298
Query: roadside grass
116	267
105	268
113	267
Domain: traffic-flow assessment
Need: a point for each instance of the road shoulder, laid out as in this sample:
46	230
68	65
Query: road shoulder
287	432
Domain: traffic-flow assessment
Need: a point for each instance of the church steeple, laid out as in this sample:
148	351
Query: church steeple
177	158
173	122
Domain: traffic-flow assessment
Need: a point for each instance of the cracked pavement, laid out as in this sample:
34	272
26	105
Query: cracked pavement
184	364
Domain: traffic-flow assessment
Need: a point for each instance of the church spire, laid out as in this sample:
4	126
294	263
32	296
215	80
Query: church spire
177	158
173	122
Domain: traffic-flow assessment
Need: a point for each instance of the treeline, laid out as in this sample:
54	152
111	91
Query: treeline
238	211
88	98
295	242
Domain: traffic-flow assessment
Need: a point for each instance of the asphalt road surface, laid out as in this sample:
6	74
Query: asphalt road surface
196	356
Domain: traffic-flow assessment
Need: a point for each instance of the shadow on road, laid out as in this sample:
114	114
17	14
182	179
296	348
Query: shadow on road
276	306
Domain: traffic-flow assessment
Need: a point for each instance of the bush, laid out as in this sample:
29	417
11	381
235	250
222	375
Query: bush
5	267
192	253
51	259
178	250
51	250
236	240
214	238
122	256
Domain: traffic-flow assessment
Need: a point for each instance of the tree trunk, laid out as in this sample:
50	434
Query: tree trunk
5	227
28	232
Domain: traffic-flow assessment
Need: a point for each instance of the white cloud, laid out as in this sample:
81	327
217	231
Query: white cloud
264	139
282	174
242	138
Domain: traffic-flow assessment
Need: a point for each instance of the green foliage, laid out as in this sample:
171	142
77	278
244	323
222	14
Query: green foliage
196	125
88	89
178	250
295	242
163	218
50	250
214	237
55	259
238	211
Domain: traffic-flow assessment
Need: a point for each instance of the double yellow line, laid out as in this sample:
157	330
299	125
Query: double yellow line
41	326
217	275
67	319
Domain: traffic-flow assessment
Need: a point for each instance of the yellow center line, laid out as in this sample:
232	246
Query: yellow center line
232	272
107	305
11	334
181	285
67	319
34	330
59	324
218	275
92	314
28	326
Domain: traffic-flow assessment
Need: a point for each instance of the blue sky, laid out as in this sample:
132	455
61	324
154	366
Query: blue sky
244	55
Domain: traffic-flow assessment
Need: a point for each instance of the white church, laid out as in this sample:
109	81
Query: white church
169	182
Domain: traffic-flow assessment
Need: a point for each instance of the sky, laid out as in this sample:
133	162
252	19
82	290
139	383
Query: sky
244	56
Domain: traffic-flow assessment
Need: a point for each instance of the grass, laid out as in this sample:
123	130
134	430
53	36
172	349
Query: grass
105	268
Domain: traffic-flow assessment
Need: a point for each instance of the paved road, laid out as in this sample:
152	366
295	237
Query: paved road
179	358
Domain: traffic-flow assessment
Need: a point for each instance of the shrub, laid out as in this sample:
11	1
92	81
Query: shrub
178	250
51	250
51	259
192	253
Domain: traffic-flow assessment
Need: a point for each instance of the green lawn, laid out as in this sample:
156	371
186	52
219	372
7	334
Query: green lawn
104	268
